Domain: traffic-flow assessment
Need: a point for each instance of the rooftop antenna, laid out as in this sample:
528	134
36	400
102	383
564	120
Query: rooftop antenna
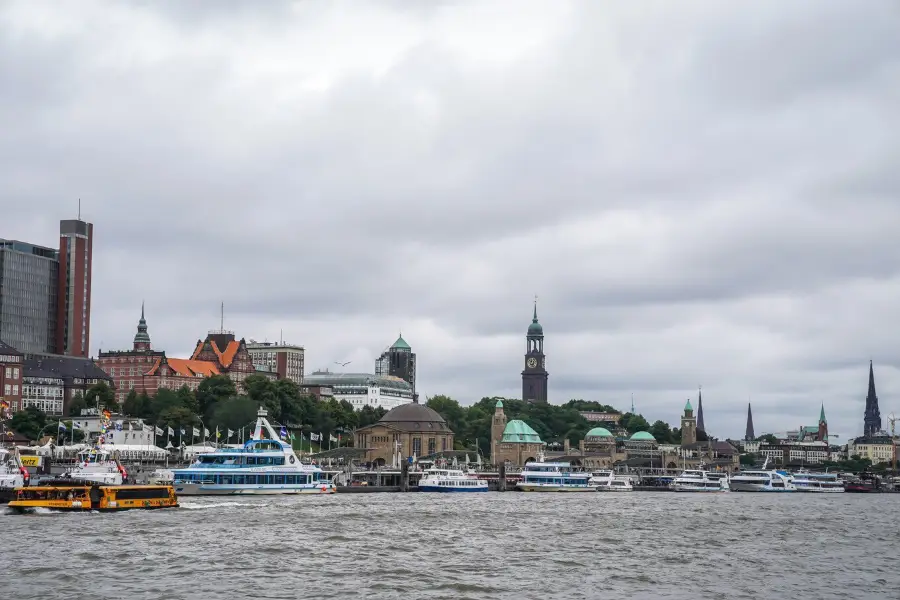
632	402
79	209
281	343
222	323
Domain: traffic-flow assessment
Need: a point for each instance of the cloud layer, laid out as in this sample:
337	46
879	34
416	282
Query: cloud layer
699	194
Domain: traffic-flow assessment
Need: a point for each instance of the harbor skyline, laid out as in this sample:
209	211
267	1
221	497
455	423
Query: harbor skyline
428	176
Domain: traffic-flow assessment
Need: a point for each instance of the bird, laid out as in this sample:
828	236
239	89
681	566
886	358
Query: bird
343	364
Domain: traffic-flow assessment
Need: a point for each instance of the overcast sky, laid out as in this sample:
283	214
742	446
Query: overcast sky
700	193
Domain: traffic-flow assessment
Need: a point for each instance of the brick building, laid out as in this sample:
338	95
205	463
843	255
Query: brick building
11	373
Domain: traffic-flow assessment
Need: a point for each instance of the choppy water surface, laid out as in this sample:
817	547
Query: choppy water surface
511	545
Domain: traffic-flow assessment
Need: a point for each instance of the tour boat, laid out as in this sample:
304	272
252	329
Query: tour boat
827	483
73	495
700	481
605	481
12	474
99	466
762	481
543	476
264	465
450	480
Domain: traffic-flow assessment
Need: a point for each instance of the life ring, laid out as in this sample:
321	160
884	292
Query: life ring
293	460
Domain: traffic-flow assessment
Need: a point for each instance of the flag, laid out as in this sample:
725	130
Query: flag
314	437
183	432
4	404
230	433
196	432
158	430
171	432
130	426
62	426
76	425
205	432
283	432
218	435
332	438
291	435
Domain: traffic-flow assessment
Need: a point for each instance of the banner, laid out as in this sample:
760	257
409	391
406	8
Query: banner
31	461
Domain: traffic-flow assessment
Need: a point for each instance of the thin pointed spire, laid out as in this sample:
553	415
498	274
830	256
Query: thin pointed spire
749	436
822	418
700	426
142	310
872	418
535	319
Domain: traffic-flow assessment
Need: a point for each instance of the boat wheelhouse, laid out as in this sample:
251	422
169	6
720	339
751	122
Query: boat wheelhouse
700	481
543	476
263	465
827	483
450	480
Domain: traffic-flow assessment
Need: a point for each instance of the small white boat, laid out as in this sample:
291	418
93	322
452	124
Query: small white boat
700	481
99	466
12	474
161	477
821	483
606	481
540	476
450	480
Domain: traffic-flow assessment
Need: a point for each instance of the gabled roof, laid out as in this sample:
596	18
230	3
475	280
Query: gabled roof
186	367
62	367
225	356
9	350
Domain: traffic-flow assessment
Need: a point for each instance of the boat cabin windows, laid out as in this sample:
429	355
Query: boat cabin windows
61	493
219	460
251	479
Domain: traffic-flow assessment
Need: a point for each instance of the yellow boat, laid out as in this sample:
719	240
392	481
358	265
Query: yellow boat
76	495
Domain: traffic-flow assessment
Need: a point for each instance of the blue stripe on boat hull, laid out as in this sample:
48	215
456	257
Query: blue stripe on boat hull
435	488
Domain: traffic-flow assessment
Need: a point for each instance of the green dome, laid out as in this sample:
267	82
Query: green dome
535	328
519	432
642	436
401	344
499	404
687	405
598	432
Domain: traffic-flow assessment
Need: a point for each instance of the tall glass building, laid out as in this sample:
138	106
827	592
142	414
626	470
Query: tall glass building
29	280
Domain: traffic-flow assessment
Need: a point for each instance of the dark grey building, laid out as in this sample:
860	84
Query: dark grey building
51	381
399	361
29	279
535	376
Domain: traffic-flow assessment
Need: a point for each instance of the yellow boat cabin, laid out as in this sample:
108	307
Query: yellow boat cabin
86	495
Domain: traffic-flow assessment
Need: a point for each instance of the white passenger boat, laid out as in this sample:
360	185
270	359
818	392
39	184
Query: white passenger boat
450	480
543	476
606	481
822	483
264	465
12	474
700	481
99	466
762	481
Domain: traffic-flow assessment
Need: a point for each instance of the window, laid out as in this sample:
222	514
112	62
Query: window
417	446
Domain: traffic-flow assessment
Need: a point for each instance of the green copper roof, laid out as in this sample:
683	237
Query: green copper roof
822	415
687	405
499	404
519	432
142	335
535	327
598	432
642	436
401	344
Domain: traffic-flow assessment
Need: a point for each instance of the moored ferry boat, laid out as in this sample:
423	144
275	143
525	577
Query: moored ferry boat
264	465
606	481
822	483
74	495
762	481
543	476
450	480
700	481
99	466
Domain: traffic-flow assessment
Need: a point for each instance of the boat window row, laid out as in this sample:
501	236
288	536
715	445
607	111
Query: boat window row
562	480
212	460
229	479
141	493
460	483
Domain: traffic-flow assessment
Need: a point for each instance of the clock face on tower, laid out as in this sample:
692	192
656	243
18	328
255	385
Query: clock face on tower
532	362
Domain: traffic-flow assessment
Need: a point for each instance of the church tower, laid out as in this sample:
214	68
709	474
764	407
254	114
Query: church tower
688	425
498	426
872	418
534	377
749	436
142	338
822	436
700	425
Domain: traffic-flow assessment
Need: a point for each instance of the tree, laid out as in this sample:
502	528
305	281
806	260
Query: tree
28	422
213	390
263	392
450	409
233	413
102	396
748	460
767	439
76	404
661	431
137	405
633	423
187	399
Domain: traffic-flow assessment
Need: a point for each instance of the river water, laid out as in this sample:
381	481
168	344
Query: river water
494	545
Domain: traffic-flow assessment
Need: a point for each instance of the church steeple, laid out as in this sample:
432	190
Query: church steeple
142	338
872	418
749	435
700	426
534	377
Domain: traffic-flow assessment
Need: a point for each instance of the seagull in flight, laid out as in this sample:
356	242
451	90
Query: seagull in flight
343	364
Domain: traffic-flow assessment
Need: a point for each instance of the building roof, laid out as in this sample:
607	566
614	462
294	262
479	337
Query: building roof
414	417
356	379
186	367
535	328
722	448
223	344
66	368
8	350
400	344
499	404
642	436
519	432
687	405
822	418
598	432
142	336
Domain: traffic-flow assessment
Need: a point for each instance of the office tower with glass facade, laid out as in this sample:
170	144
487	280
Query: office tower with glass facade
29	277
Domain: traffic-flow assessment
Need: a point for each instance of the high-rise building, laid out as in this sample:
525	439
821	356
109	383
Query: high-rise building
28	296
73	316
45	294
534	377
287	360
398	361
